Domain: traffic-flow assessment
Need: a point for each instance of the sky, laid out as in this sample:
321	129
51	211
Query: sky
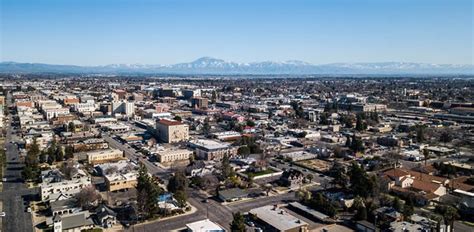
99	32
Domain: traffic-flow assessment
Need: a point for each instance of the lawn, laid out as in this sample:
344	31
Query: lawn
264	172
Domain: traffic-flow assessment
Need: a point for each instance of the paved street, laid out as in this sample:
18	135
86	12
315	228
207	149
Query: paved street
133	155
14	190
220	214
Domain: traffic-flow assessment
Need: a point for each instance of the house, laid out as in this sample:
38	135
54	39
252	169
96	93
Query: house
388	213
121	181
105	216
72	222
233	194
64	206
199	168
420	185
292	178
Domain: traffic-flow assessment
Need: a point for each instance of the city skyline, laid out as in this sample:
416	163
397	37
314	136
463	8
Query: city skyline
94	33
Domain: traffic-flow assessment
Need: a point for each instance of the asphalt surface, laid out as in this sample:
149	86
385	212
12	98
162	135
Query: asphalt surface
133	155
214	210
15	193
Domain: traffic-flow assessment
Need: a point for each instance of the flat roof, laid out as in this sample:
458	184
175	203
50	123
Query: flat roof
169	122
204	226
313	212
278	218
209	144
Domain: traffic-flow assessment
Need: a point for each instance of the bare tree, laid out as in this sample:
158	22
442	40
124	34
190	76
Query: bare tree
88	197
68	169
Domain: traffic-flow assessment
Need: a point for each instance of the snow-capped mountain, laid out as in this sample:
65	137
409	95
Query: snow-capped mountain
209	65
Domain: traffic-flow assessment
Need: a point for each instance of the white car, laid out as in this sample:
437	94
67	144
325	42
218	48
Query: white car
2	214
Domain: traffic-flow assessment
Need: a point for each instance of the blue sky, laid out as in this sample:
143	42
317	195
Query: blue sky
97	32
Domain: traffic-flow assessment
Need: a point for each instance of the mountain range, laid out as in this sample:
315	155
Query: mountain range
213	66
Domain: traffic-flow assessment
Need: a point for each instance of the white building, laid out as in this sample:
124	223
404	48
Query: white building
172	155
123	107
204	226
55	112
50	191
84	107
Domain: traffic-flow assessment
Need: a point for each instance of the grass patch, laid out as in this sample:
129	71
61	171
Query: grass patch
260	173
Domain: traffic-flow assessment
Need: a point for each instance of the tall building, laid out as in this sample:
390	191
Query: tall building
123	107
199	102
169	131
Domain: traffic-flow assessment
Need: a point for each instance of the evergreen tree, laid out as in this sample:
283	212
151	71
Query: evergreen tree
177	182
408	209
361	184
69	152
226	168
238	223
31	170
360	123
361	214
148	192
397	204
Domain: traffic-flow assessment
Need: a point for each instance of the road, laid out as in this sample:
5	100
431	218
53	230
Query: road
14	190
133	155
317	177
215	211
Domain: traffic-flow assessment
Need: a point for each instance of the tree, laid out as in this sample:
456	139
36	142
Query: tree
338	173
408	209
426	155
31	170
267	188
420	133
59	154
69	152
178	118
206	127
360	123
244	151
361	214
250	123
303	195
31	158
226	168
397	204
87	197
310	177
361	184
70	127
148	192
43	157
181	197
238	223
449	214
68	169
324	118
357	145
214	97
445	137
177	182
338	153
320	203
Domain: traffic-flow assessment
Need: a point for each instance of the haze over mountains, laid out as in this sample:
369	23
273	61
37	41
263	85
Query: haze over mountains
209	65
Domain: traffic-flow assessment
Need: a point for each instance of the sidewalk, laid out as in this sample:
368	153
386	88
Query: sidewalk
193	210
